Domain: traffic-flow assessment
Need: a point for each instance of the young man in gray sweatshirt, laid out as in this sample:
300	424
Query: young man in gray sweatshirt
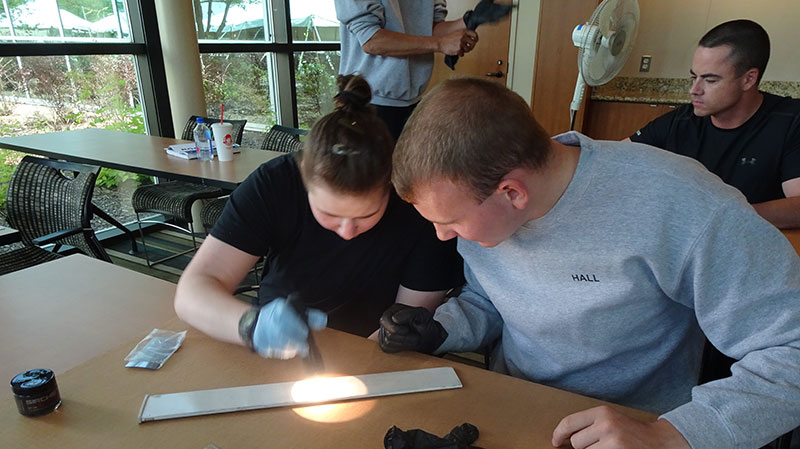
600	268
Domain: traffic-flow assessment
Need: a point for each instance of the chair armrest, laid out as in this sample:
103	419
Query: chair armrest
55	236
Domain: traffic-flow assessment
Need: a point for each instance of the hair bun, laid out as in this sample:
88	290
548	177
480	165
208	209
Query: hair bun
354	93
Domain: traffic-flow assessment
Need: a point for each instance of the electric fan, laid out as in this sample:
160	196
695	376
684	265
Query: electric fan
604	44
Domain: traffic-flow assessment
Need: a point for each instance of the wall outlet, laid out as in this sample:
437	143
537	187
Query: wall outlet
644	64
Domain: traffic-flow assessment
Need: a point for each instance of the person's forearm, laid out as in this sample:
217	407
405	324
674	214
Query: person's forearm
783	213
444	28
205	304
390	43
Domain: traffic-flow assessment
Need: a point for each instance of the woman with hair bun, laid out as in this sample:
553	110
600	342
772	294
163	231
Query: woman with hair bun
333	233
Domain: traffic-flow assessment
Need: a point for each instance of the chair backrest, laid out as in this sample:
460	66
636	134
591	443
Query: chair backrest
283	138
238	127
211	212
46	196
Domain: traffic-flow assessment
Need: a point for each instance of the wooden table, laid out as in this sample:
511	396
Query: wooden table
793	236
101	398
62	313
139	154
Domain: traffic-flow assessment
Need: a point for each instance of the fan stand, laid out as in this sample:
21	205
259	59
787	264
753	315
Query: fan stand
577	99
607	39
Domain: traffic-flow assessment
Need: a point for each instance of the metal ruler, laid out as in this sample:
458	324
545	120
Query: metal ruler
306	392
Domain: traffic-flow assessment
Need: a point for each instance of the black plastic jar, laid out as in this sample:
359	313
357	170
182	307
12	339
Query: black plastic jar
36	392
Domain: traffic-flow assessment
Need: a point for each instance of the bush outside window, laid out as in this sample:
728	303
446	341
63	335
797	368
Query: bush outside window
57	93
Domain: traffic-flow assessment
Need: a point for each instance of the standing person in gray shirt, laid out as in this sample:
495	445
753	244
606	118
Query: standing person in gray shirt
600	268
391	44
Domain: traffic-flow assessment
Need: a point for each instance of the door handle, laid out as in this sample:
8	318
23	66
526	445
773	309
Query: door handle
497	74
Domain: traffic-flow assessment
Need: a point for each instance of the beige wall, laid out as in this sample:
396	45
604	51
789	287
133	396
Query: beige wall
669	31
522	47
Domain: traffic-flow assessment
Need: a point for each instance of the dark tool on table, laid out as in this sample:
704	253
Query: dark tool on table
461	437
486	11
313	361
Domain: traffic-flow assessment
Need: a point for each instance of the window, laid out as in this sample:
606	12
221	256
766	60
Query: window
75	21
265	65
240	20
55	93
315	79
242	82
314	21
75	63
70	65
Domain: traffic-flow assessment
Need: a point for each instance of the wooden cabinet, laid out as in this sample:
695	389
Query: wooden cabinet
616	120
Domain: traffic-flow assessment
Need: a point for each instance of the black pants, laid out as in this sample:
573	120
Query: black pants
395	117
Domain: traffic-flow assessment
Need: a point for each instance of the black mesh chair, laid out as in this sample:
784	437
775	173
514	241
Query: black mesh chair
49	203
174	199
211	212
283	138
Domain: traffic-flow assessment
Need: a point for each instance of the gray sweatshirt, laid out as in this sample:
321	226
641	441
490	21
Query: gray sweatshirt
394	81
609	294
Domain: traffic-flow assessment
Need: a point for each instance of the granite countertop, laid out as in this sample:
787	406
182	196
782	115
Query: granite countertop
671	90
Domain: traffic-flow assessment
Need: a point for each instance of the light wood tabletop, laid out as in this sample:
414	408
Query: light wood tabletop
73	303
793	236
101	401
139	154
60	314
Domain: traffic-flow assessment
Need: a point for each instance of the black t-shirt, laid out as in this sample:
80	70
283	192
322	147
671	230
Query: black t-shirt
756	157
355	280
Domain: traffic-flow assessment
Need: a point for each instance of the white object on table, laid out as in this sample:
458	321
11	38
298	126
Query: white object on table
305	392
188	150
223	141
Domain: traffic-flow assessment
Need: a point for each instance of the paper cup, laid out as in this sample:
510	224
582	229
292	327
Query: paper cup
223	141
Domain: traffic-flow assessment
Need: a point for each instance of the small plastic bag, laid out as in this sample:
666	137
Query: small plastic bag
154	349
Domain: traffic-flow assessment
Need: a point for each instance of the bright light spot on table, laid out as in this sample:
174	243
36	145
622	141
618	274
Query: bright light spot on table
326	389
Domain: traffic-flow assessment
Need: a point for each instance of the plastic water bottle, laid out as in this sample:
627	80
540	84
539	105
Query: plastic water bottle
202	140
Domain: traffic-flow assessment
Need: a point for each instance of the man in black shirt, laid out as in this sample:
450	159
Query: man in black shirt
749	138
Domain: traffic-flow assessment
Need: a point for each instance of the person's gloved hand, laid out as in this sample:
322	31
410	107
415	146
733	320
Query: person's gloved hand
406	328
486	11
280	332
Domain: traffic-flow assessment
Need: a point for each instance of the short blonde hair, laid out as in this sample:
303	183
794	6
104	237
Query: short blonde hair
468	131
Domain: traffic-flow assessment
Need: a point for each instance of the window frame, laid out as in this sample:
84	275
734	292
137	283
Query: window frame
145	47
284	55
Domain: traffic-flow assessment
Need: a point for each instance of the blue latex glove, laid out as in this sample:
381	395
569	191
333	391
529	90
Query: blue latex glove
280	333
